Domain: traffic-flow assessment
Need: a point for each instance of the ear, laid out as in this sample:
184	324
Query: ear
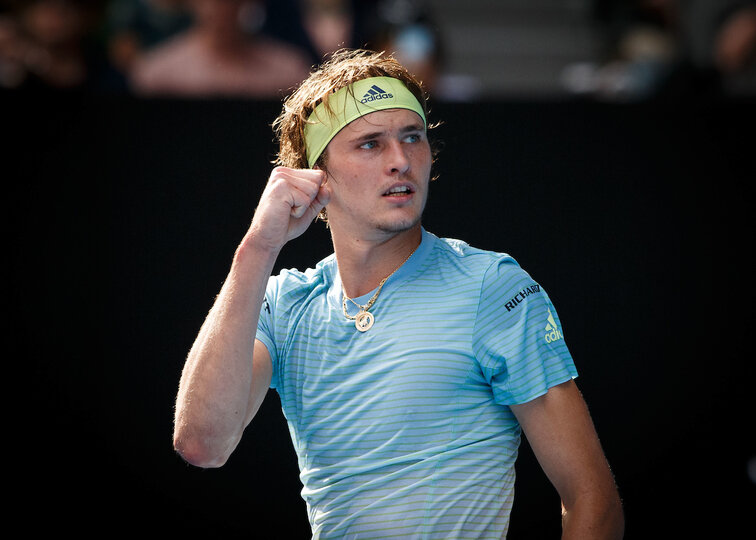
319	168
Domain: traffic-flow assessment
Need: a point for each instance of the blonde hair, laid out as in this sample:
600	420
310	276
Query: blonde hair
344	67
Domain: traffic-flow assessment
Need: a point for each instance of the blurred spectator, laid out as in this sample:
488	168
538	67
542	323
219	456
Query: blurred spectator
401	27
329	24
721	39
223	53
405	29
321	27
735	41
133	26
642	49
50	45
672	49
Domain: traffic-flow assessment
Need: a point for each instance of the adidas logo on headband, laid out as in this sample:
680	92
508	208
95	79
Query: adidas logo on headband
374	93
346	107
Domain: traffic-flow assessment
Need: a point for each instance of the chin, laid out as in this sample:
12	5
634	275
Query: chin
400	225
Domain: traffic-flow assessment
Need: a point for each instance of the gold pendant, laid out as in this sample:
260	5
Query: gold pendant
364	321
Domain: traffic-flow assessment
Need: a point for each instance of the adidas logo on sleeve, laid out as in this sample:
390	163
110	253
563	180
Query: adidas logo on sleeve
552	331
375	93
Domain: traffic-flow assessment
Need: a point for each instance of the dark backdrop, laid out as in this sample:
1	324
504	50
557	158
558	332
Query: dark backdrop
124	215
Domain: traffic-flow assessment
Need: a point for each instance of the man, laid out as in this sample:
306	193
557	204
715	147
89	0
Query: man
216	56
407	365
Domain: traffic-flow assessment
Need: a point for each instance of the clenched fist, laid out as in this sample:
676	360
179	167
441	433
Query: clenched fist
291	201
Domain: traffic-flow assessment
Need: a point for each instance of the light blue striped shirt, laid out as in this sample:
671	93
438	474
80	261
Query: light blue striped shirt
404	431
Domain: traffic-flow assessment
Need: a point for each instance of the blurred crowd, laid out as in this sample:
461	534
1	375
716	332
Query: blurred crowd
263	48
671	48
200	48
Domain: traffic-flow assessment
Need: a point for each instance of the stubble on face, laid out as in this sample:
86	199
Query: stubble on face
402	225
355	173
396	225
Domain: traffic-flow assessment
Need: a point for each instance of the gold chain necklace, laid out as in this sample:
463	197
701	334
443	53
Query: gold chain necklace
364	320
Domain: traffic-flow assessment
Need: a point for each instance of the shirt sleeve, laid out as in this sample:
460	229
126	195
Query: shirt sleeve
266	327
518	339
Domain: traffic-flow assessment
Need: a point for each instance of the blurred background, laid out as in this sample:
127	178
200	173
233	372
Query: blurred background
607	145
479	49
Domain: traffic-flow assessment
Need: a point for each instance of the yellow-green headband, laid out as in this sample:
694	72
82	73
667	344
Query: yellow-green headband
349	103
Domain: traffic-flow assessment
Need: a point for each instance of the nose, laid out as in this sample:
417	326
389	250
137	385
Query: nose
397	161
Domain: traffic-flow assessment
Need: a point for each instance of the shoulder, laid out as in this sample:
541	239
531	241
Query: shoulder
460	255
279	51
163	64
278	60
290	283
496	276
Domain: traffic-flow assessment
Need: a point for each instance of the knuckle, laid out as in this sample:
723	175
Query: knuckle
277	180
280	172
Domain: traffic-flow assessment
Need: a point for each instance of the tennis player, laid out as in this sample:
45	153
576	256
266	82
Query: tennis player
407	365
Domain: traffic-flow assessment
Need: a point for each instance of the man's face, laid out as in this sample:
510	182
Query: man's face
378	173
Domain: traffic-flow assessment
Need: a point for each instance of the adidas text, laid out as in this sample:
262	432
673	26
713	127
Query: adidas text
554	335
376	97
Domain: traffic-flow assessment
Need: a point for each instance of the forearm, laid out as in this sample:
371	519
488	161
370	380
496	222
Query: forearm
593	517
563	438
223	384
217	393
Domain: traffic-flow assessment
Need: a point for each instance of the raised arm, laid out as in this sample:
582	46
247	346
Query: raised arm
227	372
561	433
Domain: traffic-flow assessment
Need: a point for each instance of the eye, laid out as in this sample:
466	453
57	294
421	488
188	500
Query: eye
413	138
368	145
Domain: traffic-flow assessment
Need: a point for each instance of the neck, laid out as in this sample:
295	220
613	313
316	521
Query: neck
364	263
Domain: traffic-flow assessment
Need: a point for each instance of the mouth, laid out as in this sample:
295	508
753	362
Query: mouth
399	191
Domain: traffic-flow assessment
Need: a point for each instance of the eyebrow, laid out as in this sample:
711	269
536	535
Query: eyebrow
375	134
